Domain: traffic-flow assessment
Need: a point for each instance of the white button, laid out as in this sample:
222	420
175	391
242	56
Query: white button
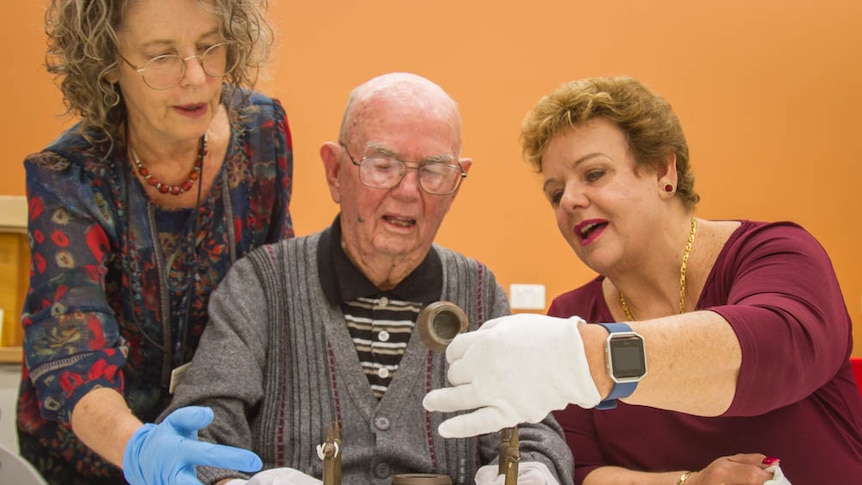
383	373
382	302
383	336
382	423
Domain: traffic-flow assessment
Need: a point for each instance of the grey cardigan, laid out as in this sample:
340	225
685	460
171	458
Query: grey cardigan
277	365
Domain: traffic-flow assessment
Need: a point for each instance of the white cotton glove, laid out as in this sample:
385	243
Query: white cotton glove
529	473
281	476
277	476
512	370
777	476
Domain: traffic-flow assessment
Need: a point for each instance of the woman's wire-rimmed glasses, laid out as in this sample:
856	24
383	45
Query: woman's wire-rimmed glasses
167	70
385	172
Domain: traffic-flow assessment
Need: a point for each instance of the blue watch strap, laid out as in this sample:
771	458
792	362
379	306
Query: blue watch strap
620	390
615	327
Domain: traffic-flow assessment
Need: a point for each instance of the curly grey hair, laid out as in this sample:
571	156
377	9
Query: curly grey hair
83	53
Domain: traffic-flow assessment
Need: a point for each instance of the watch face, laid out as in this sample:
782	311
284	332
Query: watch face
627	358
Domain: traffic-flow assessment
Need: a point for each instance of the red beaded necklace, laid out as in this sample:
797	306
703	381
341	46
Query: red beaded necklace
173	189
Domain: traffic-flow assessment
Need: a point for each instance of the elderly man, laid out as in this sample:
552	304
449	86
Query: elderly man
321	329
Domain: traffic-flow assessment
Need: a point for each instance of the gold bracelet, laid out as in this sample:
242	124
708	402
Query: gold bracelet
685	476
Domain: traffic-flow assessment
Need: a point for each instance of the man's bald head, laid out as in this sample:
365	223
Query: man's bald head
410	91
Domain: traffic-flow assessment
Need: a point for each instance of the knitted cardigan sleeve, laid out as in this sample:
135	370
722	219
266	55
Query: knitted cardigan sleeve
227	371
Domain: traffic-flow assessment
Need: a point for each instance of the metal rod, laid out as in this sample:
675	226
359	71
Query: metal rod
510	455
330	453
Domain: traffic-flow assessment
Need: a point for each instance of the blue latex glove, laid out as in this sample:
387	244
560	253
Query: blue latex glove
167	453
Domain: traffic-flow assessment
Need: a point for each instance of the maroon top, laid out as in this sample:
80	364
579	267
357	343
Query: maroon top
796	398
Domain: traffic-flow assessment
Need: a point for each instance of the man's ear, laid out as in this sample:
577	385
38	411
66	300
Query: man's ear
330	153
466	163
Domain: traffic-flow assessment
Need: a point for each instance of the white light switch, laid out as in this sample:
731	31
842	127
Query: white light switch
527	297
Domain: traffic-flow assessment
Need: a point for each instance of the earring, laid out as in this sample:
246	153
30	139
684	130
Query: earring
668	188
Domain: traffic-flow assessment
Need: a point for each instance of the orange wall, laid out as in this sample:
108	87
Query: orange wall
767	91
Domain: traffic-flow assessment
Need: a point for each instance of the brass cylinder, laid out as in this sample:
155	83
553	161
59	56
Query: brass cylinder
421	479
439	323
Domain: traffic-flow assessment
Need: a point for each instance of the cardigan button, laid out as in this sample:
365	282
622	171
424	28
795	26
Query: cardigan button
382	423
382	470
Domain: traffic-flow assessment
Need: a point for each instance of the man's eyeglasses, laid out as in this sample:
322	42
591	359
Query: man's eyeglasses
166	71
382	172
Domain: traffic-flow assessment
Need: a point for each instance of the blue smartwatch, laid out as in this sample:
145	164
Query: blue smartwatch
625	354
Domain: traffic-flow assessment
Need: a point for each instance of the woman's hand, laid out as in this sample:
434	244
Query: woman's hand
513	369
168	452
740	469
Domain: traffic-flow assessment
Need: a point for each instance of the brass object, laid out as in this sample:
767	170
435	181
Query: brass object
509	455
330	453
421	479
439	323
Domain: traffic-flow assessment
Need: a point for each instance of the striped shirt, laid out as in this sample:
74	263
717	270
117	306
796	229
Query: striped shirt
380	328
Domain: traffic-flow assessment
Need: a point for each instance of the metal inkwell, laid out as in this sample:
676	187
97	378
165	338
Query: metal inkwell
439	323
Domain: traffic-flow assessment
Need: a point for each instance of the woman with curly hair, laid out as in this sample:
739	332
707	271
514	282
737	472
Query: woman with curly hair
175	170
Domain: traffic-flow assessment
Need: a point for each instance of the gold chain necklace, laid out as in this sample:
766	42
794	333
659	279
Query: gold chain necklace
682	268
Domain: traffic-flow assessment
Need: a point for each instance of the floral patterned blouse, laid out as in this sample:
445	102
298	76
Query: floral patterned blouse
114	278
